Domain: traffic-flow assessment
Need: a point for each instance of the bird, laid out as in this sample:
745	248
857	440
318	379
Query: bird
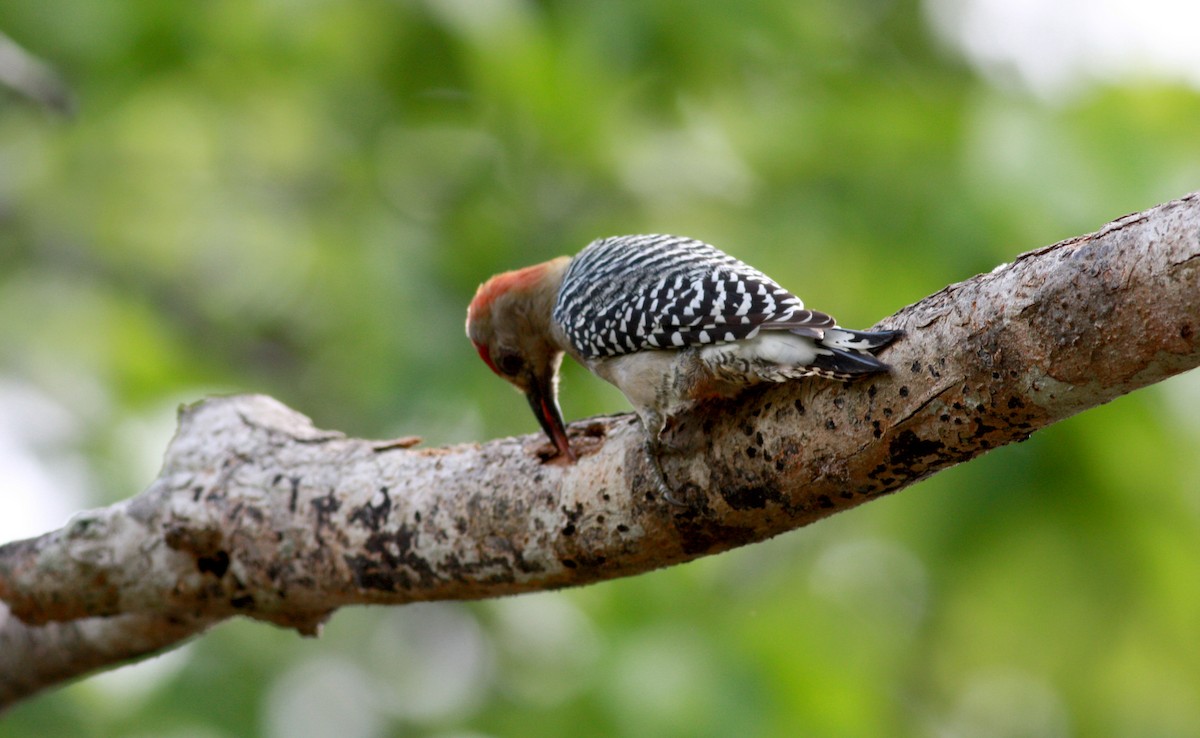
670	321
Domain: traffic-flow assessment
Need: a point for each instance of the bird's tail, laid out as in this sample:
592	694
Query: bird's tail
848	354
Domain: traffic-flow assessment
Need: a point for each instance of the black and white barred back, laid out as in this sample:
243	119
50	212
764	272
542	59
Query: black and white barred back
630	293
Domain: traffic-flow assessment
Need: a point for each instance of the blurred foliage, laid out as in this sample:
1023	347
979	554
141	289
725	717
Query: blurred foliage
298	197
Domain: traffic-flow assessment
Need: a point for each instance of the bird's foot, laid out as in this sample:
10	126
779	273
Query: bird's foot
653	452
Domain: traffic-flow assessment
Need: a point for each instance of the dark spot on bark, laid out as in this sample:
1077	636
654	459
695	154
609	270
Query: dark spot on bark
957	406
839	402
368	573
903	391
887	412
751	451
799	407
878	429
747	429
216	564
605	497
573	516
704	536
622	528
756	412
243	602
780	465
908	448
995	375
196	492
417	516
569	563
979	408
600	519
944	417
390	562
206	545
750	497
324	507
758	438
916	367
824	501
871	391
568	529
373	517
1014	403
295	481
277	479
830	424
1186	332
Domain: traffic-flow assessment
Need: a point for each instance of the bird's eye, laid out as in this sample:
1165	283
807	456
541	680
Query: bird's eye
511	364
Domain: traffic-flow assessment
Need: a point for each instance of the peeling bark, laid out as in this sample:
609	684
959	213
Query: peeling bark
258	513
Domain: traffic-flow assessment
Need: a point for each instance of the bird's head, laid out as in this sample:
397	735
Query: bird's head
509	321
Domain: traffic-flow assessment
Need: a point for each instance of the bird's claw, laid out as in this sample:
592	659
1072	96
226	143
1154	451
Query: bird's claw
652	452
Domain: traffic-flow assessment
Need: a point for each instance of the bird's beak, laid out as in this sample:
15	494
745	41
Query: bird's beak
544	401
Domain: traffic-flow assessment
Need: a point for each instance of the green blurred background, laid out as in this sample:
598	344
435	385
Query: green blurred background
299	197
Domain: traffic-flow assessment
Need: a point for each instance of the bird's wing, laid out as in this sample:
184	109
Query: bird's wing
726	304
631	293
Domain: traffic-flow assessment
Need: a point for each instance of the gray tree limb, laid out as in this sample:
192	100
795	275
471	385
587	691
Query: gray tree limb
258	513
28	76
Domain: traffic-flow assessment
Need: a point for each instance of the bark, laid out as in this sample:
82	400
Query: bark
258	513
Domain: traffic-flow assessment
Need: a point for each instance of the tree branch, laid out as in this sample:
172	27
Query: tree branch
258	513
26	75
33	657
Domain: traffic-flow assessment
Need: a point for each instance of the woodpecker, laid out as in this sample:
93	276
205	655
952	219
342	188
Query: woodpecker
668	320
